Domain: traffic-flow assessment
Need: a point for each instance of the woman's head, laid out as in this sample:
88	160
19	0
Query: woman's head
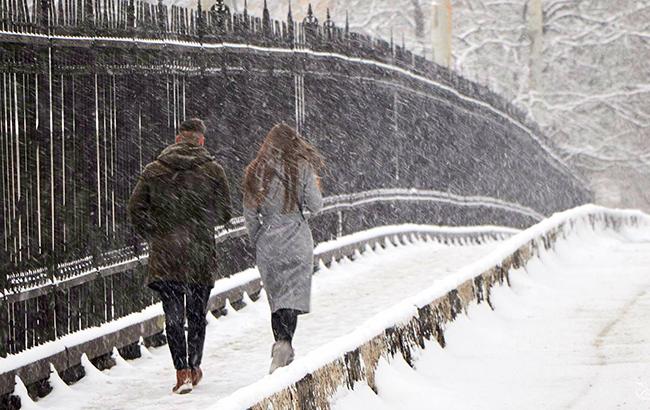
282	148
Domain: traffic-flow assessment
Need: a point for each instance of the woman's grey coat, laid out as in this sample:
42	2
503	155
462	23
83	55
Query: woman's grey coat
285	247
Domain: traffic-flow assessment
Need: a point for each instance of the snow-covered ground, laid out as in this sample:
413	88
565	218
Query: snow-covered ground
238	346
571	333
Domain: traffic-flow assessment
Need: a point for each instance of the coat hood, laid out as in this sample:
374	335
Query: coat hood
183	156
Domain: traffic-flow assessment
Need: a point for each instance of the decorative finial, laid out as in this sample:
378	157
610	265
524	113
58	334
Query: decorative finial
347	22
310	20
160	15
220	15
130	14
329	24
200	22
290	26
267	28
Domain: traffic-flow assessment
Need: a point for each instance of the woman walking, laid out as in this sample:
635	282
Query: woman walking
281	187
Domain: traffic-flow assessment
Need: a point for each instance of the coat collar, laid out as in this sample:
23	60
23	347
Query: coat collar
184	156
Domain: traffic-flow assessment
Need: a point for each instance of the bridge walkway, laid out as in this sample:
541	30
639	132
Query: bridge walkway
237	351
573	332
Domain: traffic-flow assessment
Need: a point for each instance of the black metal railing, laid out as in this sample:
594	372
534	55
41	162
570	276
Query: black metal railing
131	19
110	292
91	90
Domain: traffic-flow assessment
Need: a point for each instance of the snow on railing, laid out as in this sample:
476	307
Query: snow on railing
127	333
311	381
73	273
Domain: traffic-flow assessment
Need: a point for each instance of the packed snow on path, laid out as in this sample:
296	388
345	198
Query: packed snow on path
238	346
571	333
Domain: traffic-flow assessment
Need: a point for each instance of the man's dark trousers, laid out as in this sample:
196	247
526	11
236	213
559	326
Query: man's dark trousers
181	299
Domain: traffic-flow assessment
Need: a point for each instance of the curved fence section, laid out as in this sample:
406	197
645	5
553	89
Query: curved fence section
42	305
65	354
92	90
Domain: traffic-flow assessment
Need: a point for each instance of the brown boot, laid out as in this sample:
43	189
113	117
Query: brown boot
197	375
183	381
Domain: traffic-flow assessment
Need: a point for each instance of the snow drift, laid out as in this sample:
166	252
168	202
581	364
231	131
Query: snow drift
312	381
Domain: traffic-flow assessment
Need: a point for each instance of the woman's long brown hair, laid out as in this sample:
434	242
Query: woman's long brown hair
286	146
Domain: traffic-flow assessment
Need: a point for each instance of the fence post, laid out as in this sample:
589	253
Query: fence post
130	18
200	22
4	317
4	328
310	26
291	36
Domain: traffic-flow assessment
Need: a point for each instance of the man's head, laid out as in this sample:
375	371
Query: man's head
192	131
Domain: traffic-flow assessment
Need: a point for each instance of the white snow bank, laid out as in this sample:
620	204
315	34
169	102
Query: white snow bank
404	311
16	361
570	332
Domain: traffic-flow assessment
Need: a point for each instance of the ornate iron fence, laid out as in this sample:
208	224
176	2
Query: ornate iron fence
91	90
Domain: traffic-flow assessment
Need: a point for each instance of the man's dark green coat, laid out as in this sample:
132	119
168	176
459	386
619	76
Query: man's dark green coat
175	206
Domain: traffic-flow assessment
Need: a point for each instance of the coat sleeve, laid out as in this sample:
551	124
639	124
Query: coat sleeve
139	208
253	224
312	198
223	201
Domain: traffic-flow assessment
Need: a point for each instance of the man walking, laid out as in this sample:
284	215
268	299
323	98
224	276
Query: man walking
178	201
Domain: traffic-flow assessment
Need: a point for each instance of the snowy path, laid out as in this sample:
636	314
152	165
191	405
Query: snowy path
238	346
572	333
